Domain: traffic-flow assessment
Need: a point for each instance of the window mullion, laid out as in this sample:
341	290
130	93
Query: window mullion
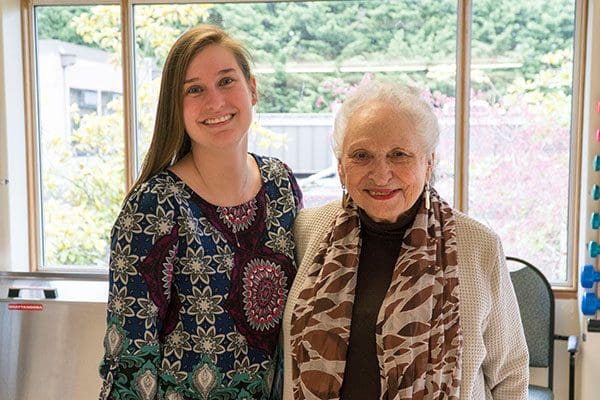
128	60
31	112
463	88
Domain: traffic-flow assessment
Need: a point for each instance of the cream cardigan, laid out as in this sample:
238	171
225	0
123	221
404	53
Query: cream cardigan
495	359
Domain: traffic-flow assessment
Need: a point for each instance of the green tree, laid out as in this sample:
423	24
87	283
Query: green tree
55	23
403	33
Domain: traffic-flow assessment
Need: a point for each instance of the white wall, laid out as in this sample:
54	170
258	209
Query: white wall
13	196
4	237
567	323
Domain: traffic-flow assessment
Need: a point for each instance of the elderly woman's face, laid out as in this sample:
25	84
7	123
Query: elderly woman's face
384	164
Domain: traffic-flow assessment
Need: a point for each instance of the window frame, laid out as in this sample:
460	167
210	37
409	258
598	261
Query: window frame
463	62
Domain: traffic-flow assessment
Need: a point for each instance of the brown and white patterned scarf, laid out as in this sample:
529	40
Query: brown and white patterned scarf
419	340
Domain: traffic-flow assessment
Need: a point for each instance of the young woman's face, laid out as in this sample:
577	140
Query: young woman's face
218	100
384	163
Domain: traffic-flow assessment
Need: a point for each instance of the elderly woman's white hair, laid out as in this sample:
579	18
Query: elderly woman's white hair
407	100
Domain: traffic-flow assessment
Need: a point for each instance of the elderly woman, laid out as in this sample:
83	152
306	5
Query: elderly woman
398	296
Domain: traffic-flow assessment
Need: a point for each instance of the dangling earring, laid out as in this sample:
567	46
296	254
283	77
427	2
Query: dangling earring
345	197
427	196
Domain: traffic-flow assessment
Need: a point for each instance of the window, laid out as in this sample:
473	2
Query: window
80	136
520	120
308	55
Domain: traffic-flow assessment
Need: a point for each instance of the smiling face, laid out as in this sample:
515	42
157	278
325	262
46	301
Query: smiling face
218	99
384	163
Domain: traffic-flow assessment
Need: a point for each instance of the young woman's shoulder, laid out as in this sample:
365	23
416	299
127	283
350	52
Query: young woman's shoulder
164	189
280	180
272	166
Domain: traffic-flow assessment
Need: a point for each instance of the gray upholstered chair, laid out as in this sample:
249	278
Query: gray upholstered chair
536	305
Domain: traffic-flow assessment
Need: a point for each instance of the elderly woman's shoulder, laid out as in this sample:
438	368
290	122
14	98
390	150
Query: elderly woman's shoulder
311	225
475	237
322	213
469	224
315	221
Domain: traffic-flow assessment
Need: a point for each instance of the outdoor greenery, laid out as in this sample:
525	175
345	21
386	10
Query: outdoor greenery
402	33
55	23
520	107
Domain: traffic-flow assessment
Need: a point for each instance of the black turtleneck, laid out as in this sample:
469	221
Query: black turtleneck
379	252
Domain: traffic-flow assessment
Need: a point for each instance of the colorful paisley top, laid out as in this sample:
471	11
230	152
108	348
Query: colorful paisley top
197	291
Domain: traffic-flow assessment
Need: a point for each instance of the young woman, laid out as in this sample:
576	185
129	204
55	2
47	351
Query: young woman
202	251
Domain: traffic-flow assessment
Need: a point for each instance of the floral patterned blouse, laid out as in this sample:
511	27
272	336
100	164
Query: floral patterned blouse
196	291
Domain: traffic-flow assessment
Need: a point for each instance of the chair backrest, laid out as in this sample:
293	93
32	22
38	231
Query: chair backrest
536	305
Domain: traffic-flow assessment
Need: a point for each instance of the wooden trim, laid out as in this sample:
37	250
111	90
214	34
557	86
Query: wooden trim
31	142
574	215
73	2
211	1
463	87
127	65
564	293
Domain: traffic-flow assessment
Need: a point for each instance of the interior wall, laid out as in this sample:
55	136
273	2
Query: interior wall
567	323
13	167
4	237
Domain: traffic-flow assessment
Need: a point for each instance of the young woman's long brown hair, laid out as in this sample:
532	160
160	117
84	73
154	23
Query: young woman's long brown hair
170	142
